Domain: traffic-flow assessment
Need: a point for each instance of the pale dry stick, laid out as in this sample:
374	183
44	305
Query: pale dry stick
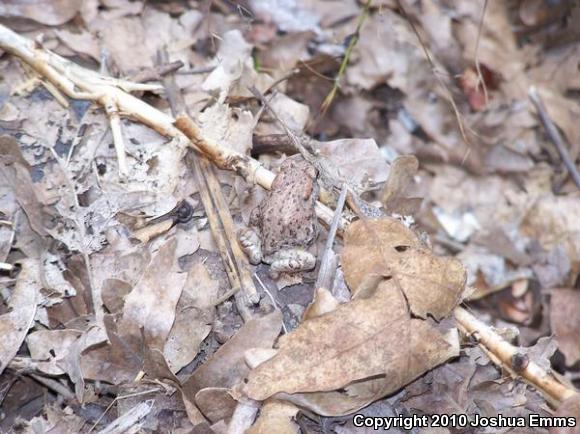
243	416
504	353
219	217
222	242
5	266
130	419
241	264
554	135
147	233
33	82
324	273
53	90
275	304
77	82
115	122
80	83
118	398
54	385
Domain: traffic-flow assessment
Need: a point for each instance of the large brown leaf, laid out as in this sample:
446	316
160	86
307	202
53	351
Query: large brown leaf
431	284
368	337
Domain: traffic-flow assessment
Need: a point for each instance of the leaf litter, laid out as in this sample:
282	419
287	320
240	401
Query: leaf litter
120	312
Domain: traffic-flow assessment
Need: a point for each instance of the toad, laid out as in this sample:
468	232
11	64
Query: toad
283	226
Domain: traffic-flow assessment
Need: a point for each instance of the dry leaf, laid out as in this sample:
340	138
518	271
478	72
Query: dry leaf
432	285
227	366
368	337
388	51
116	362
15	175
374	337
49	12
50	347
401	173
194	315
14	325
151	304
552	221
82	43
229	127
566	322
276	417
215	403
285	52
292	113
234	72
322	303
359	160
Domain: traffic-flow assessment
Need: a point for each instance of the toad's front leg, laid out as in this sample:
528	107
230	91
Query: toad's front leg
291	261
251	245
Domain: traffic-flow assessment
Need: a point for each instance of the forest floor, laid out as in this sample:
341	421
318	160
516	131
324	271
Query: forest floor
450	129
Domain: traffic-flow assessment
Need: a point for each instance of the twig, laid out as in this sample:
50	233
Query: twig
219	217
157	73
275	303
294	140
115	121
221	226
118	398
271	143
505	354
442	84
346	58
240	261
53	90
5	266
203	70
554	135
130	419
324	273
149	232
480	80
55	386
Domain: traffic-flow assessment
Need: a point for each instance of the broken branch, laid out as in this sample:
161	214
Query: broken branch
505	354
80	83
554	135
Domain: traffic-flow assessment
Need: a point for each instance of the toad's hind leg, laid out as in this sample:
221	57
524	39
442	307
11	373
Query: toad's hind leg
292	261
251	245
